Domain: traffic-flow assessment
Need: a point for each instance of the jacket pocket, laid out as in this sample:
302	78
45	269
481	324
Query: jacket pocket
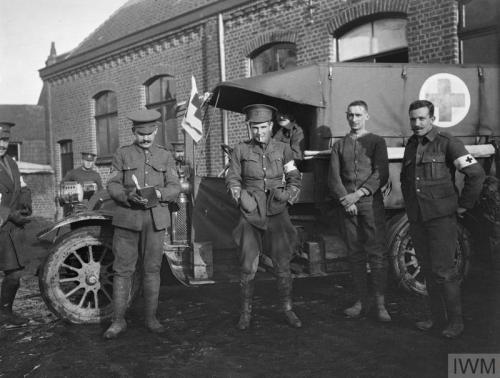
434	165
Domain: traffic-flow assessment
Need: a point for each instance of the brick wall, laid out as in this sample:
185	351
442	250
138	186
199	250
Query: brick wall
42	194
194	51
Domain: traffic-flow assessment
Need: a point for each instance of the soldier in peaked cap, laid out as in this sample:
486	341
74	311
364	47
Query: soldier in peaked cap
139	228
255	181
86	172
291	133
15	208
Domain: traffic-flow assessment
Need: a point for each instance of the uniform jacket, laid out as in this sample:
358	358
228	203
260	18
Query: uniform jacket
294	137
154	167
428	176
263	173
356	163
13	196
81	175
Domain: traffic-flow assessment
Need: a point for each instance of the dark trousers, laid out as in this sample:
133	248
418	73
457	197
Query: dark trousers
129	245
435	243
365	233
279	240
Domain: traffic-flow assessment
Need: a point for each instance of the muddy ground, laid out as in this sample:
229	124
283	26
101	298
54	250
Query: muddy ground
203	342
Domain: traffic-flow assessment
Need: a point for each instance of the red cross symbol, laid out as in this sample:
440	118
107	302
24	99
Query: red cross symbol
445	100
468	159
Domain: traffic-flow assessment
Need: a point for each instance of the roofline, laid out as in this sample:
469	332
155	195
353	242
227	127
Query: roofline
137	38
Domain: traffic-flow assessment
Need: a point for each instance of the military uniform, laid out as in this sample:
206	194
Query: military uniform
432	199
82	175
293	135
139	230
361	162
255	177
15	206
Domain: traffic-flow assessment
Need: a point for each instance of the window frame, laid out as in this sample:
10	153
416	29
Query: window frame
66	155
275	47
109	116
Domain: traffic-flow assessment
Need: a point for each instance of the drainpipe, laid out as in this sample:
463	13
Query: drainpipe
222	58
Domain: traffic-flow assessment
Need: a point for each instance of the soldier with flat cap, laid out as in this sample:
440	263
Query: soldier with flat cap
291	133
263	180
139	228
15	208
86	172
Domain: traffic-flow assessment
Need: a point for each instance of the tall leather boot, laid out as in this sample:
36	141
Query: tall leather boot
285	294
121	294
151	292
379	278
362	305
10	285
246	296
436	304
453	302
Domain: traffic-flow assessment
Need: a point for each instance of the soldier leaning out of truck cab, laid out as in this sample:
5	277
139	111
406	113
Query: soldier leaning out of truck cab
255	180
430	161
291	133
358	169
142	182
15	208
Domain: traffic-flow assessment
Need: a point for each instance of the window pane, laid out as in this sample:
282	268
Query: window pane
101	105
287	57
355	43
113	134
263	62
168	89
102	136
111	102
480	13
389	34
154	92
482	49
66	147
66	163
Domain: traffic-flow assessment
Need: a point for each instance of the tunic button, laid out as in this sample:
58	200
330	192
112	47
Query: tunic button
418	178
264	168
418	190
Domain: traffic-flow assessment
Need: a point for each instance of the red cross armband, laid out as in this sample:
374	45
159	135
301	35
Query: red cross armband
464	161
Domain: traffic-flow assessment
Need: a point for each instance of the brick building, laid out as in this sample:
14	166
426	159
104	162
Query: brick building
145	53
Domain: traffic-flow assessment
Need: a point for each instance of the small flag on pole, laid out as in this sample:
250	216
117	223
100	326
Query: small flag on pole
192	119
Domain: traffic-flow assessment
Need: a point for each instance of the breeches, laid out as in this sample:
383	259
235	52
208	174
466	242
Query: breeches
129	245
278	240
365	234
435	243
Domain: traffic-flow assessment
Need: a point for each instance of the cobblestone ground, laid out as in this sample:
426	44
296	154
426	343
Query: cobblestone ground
203	342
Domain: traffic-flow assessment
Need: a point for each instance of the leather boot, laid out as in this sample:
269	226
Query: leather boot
10	285
121	294
453	302
379	278
285	294
246	295
438	314
151	291
362	305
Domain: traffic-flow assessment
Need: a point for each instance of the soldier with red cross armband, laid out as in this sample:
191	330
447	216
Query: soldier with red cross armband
263	180
430	161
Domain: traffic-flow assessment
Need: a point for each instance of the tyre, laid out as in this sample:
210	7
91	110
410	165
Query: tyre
76	278
403	259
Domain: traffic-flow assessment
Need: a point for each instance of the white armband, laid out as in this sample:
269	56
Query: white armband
464	161
23	184
290	166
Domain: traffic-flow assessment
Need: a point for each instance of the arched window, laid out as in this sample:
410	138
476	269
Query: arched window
382	40
275	57
161	96
106	120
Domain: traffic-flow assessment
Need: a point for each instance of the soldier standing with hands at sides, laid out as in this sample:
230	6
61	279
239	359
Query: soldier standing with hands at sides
255	180
15	208
430	161
359	167
139	226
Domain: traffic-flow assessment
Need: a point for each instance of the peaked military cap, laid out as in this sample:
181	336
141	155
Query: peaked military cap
5	129
144	120
259	112
89	156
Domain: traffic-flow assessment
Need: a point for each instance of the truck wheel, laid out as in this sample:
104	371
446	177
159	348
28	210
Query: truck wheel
76	278
403	259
